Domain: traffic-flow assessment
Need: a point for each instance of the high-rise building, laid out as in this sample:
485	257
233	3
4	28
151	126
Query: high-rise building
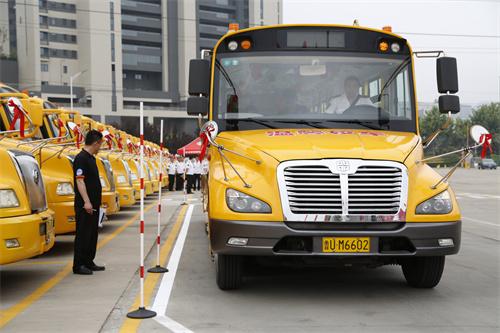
119	52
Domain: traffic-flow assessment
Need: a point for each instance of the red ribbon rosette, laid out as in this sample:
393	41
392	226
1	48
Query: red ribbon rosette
18	115
485	139
204	142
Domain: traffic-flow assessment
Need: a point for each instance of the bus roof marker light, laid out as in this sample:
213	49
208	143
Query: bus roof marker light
233	27
395	47
232	45
387	28
383	46
246	44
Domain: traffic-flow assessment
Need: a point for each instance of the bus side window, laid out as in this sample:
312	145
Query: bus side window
374	88
403	104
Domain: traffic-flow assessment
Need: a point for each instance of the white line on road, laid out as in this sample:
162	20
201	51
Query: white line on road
480	221
167	282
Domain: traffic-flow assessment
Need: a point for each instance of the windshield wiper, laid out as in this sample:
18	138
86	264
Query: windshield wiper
300	122
359	122
226	75
393	76
260	122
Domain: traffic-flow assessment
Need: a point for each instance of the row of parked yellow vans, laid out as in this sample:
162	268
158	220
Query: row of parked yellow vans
36	174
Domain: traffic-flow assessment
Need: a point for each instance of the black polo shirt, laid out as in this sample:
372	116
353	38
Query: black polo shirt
85	167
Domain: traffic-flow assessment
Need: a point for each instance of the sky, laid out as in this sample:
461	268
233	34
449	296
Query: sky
466	29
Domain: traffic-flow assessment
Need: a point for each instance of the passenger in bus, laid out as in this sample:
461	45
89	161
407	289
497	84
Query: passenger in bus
349	98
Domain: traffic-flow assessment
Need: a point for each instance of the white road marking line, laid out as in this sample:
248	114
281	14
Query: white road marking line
167	282
478	195
480	221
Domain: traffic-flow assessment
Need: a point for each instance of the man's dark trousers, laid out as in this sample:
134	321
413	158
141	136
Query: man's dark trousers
85	238
171	182
179	182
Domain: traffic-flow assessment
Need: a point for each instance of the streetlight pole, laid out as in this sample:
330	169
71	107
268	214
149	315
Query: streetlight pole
73	77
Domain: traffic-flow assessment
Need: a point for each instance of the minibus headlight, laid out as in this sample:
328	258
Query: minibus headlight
121	179
243	203
64	189
8	199
439	204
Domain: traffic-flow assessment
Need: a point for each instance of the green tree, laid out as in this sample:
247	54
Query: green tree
488	116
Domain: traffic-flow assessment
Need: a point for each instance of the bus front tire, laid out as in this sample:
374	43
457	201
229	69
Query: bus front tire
423	272
228	271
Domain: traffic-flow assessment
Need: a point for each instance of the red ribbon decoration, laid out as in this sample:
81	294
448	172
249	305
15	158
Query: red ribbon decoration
108	138
130	147
486	144
18	114
204	141
120	146
60	126
78	136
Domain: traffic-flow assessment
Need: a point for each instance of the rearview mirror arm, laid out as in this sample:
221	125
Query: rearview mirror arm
428	140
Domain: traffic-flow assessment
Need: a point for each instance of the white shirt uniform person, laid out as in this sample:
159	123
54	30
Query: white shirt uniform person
172	166
341	103
197	167
189	167
179	179
204	167
350	97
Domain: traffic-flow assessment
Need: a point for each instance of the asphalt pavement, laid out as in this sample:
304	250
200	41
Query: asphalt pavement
277	299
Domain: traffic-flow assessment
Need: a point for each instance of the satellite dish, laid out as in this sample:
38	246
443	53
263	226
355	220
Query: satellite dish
72	125
477	132
211	128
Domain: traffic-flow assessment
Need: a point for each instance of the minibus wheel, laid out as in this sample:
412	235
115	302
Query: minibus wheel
423	272
228	271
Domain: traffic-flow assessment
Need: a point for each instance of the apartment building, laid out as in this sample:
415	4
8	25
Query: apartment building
119	52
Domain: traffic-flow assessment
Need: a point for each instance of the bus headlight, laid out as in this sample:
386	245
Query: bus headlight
64	189
243	203
121	179
8	199
439	204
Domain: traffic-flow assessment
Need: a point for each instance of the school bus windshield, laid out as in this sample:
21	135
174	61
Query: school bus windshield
291	89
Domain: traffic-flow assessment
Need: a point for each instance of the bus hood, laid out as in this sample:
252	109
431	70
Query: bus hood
292	144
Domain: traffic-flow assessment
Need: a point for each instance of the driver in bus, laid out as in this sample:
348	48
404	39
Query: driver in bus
349	98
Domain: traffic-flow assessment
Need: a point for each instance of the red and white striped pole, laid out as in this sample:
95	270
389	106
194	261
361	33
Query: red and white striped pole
158	268
141	312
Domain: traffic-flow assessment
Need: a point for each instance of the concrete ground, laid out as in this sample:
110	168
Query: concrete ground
271	300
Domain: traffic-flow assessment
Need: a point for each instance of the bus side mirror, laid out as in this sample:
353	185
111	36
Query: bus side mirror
197	105
447	75
449	103
199	77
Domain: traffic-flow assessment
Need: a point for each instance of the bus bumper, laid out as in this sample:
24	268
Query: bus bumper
110	202
64	216
34	234
126	195
305	239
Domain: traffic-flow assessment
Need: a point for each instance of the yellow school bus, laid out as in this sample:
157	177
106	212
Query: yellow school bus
315	152
54	163
26	223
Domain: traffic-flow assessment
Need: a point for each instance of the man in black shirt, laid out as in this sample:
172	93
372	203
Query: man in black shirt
87	202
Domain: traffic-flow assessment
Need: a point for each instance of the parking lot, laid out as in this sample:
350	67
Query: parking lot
42	295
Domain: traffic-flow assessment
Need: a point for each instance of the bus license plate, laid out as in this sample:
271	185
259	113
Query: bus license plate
346	244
